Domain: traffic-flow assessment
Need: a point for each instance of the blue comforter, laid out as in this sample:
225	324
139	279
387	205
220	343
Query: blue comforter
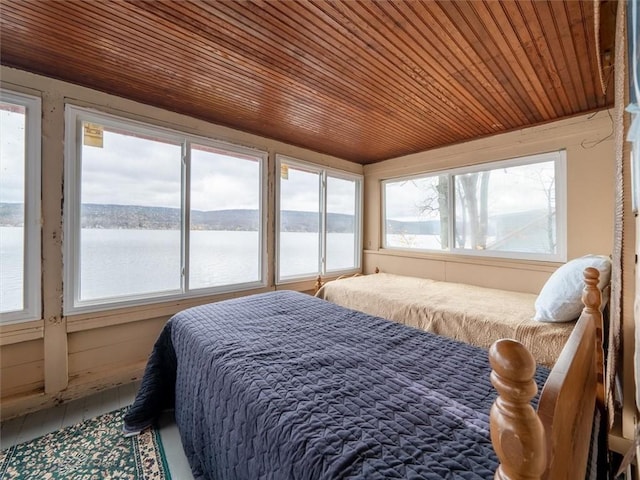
287	386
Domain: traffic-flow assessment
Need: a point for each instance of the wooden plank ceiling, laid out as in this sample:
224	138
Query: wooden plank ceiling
361	80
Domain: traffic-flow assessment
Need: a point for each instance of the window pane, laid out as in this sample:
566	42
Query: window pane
225	241
299	223
12	213
341	224
130	240
507	209
416	213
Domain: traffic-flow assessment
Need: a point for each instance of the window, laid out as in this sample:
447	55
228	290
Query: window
319	220
514	208
154	214
19	207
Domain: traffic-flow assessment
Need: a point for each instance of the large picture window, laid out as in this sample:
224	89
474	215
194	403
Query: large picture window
20	297
157	214
319	220
514	208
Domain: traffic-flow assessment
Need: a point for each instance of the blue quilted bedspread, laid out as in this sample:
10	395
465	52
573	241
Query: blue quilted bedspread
287	386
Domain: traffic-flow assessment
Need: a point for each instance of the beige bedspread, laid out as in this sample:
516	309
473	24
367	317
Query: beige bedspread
468	313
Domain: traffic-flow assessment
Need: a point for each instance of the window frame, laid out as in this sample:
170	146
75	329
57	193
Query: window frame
32	257
74	116
560	182
323	172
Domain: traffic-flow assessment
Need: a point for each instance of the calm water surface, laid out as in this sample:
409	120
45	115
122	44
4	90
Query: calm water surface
134	262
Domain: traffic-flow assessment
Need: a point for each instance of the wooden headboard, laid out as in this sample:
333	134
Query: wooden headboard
552	443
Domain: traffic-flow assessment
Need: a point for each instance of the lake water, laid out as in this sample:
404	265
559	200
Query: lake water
135	262
422	242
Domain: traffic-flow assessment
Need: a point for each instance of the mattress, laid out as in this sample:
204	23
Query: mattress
283	385
468	313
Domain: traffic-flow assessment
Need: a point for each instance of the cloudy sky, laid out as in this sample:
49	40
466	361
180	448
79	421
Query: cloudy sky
130	170
138	171
11	157
513	189
300	191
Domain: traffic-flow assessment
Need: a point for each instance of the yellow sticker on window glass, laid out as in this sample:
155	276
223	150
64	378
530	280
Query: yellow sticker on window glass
93	134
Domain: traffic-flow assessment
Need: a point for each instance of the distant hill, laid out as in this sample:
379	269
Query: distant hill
160	218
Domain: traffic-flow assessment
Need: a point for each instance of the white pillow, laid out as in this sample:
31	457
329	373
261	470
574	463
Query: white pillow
560	297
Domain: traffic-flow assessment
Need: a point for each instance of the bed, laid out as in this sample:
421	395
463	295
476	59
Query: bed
284	385
468	313
474	314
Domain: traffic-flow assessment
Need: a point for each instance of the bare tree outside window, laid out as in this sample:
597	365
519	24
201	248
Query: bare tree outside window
508	208
473	193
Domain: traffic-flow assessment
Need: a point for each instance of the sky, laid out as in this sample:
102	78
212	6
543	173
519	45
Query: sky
11	157
130	170
514	189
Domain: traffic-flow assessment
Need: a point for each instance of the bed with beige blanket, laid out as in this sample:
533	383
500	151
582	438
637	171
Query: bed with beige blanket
472	314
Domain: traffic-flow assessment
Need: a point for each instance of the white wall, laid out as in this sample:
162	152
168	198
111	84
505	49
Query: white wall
590	201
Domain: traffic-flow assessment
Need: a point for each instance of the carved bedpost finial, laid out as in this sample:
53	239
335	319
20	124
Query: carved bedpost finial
377	270
591	296
318	284
592	299
516	431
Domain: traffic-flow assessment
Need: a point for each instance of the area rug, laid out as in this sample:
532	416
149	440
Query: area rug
93	449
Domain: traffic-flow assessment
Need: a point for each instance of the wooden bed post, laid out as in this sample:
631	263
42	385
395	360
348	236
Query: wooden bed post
517	433
554	442
318	284
592	299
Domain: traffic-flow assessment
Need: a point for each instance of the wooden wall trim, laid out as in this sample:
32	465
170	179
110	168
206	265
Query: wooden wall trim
78	387
624	288
301	286
55	328
21	332
503	276
106	318
549	267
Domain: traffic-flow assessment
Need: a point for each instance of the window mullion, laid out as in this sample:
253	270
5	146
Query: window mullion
358	243
33	167
451	208
186	213
76	207
323	222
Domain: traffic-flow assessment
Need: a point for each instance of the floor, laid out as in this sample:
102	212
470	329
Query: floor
36	424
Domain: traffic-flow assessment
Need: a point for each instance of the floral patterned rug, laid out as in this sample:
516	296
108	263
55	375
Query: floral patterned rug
93	449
